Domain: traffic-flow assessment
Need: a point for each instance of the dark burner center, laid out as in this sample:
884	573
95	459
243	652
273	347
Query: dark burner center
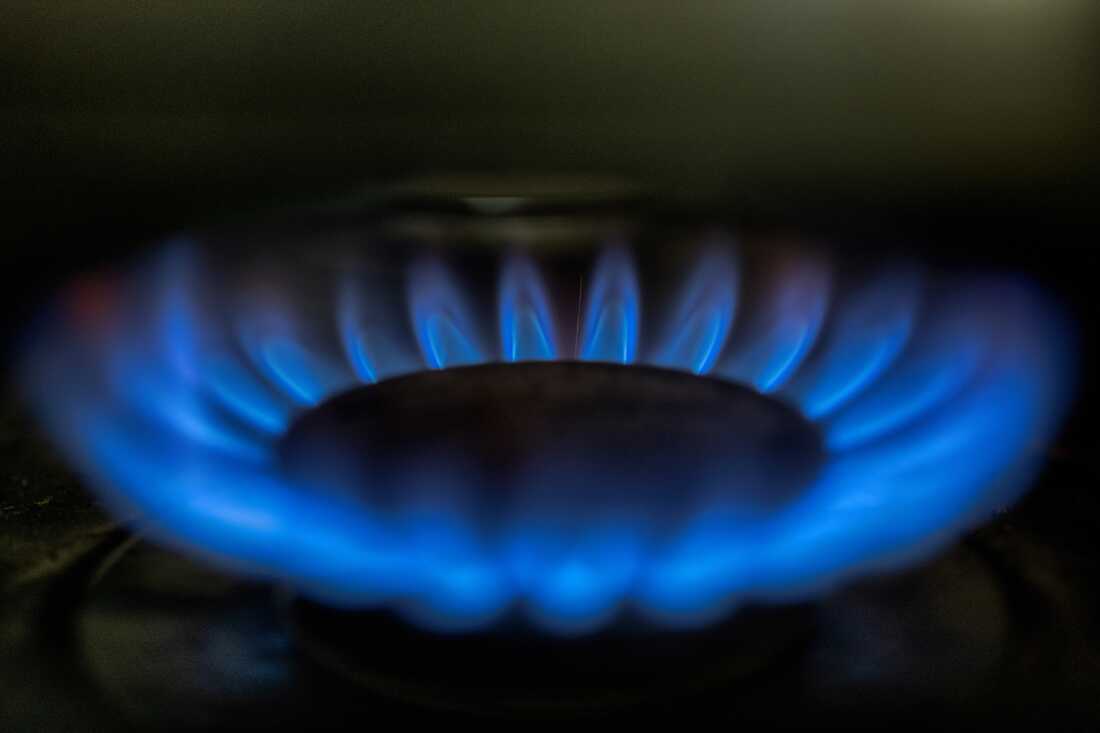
577	441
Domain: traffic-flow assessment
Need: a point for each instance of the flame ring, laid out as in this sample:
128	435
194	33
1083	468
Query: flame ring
932	411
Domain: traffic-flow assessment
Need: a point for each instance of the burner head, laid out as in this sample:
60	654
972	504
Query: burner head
575	443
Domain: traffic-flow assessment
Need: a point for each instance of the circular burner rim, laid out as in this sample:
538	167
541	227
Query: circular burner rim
631	435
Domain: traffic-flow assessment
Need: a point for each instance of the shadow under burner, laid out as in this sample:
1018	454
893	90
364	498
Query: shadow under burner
512	669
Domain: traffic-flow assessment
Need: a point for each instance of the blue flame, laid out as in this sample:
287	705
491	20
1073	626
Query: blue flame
611	317
241	392
526	324
288	357
369	344
701	320
934	371
573	581
441	317
868	333
784	329
934	412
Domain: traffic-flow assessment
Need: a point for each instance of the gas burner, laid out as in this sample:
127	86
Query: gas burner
352	425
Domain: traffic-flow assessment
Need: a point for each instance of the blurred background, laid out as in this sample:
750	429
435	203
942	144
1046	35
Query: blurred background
970	123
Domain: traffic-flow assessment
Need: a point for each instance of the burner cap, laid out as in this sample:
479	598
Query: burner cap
573	442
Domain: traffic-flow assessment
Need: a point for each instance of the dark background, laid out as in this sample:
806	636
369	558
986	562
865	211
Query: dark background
968	128
123	120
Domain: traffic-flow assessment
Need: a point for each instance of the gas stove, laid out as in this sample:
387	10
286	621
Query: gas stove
549	363
421	467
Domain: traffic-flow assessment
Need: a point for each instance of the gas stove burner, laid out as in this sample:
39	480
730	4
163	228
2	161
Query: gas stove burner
364	425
